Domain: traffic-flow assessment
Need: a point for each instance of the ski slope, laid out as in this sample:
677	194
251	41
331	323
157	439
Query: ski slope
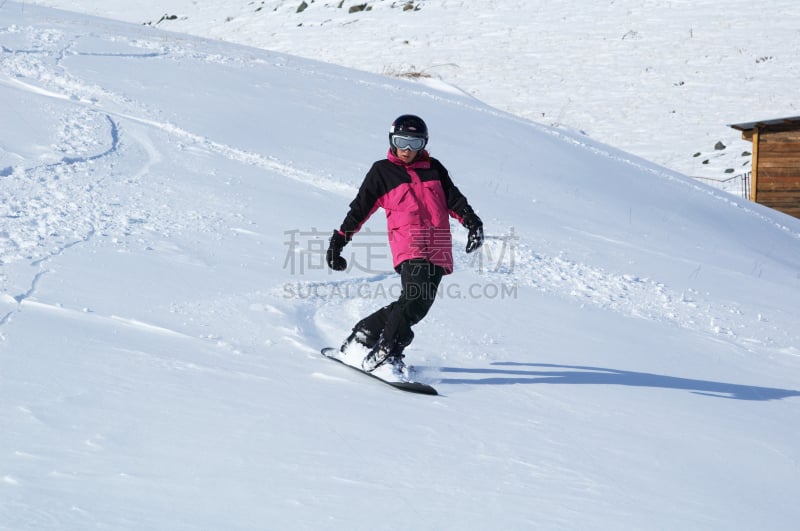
623	354
659	79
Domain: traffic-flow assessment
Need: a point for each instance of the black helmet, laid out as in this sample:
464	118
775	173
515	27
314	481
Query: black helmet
408	125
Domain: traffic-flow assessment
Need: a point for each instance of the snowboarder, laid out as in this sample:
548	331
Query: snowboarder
418	196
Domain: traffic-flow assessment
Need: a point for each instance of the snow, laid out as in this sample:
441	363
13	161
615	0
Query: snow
624	353
660	79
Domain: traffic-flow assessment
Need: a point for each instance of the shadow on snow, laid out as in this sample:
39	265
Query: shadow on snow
527	373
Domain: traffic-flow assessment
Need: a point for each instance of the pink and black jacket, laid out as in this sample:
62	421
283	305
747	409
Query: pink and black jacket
418	199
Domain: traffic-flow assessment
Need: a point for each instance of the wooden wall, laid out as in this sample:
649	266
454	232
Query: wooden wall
776	167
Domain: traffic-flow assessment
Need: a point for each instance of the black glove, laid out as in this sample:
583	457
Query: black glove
475	227
334	254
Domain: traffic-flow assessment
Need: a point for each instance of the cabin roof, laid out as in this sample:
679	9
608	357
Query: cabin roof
748	126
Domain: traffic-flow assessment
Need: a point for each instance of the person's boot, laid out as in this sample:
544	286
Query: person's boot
383	353
358	343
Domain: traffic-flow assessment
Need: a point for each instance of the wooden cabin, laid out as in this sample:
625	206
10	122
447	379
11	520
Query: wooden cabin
775	180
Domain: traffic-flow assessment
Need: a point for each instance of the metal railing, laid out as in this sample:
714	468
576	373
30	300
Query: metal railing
737	185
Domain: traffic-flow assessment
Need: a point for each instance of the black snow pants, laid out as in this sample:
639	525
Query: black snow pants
391	325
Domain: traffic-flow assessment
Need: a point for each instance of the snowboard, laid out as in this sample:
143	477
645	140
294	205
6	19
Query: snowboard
384	376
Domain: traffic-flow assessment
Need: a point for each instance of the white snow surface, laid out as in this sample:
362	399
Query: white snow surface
624	352
662	79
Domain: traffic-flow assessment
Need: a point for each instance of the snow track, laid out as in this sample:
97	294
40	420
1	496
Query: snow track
75	191
627	294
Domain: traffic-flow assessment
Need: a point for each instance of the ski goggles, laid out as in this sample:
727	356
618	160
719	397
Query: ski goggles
413	143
